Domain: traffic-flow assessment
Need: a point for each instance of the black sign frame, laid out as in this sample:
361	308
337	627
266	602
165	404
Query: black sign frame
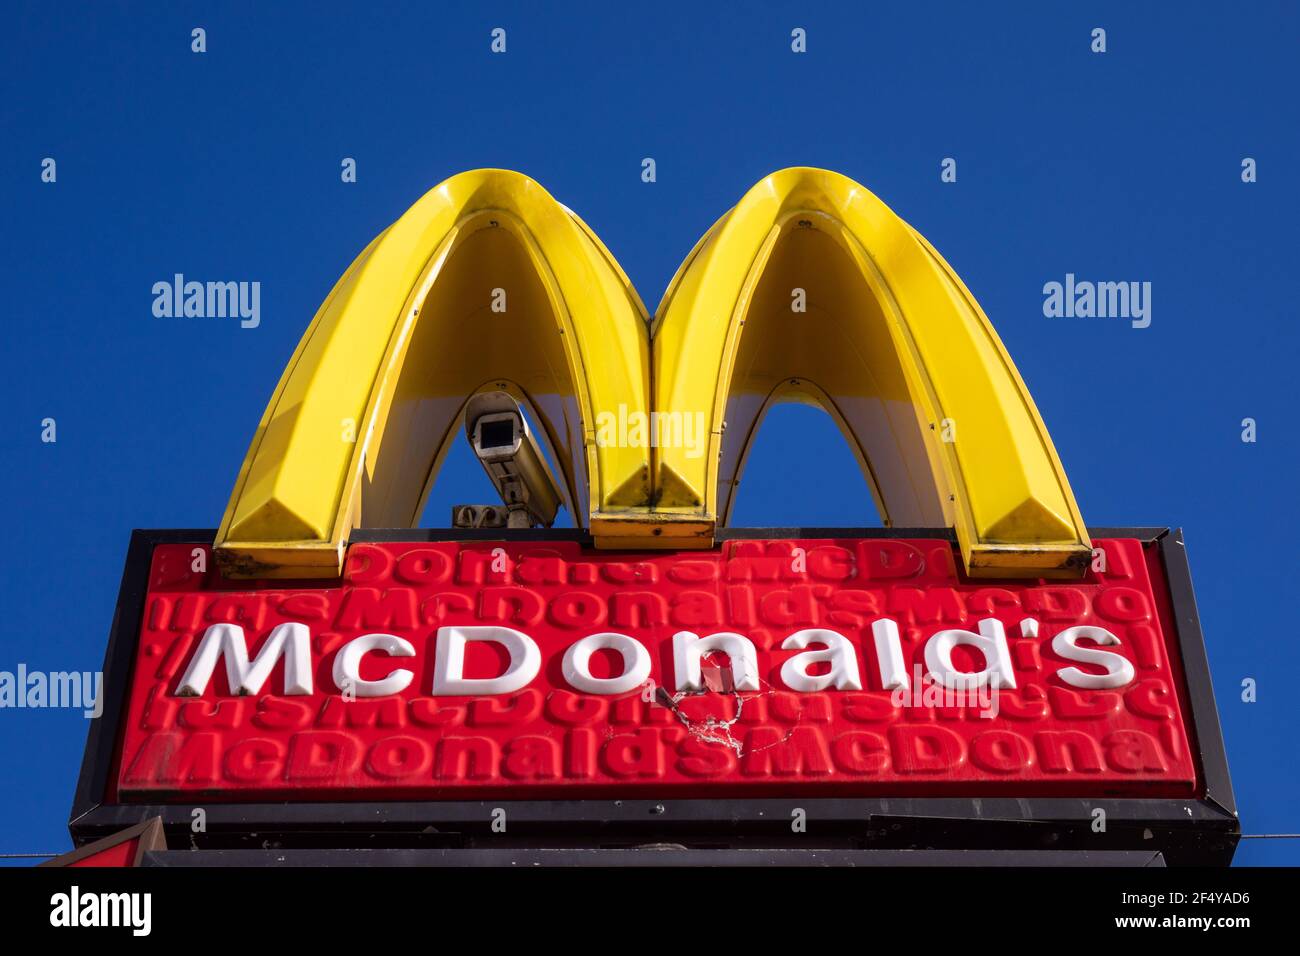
1201	831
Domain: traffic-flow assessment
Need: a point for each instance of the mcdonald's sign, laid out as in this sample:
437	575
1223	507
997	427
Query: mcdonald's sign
987	675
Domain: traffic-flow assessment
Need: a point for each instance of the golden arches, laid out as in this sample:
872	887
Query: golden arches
809	287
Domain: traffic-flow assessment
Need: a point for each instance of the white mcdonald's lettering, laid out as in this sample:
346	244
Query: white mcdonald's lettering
839	653
1119	671
636	664
889	652
689	648
292	642
449	666
347	665
991	641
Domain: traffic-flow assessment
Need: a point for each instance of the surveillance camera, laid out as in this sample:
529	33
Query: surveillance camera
499	435
479	516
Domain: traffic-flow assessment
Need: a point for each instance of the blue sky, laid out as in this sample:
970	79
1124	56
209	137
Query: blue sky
1117	166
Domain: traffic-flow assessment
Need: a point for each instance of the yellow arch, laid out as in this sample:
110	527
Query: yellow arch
890	342
376	388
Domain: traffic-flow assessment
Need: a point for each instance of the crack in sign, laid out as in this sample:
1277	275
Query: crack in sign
712	730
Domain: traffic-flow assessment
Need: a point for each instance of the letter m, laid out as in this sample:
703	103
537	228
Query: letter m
1112	300
290	641
223	300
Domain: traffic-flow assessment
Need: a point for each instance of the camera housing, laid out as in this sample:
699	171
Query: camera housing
505	446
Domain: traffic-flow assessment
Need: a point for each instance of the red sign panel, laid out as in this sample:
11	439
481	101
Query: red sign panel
461	670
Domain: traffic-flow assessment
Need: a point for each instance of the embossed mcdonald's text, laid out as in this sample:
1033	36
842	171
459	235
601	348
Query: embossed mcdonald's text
466	668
